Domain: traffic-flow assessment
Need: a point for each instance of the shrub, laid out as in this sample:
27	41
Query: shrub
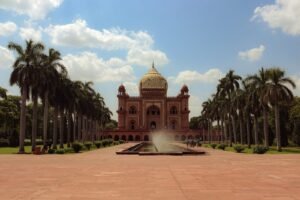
213	146
77	147
4	142
121	141
51	151
222	146
116	142
98	144
60	151
239	148
110	141
107	142
69	150
88	145
260	149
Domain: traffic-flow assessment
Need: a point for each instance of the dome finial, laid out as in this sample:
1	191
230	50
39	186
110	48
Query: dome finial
153	64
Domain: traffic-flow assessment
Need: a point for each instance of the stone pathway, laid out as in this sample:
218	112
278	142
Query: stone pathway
102	174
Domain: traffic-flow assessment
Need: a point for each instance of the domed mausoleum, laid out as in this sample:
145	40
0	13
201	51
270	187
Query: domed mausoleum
140	116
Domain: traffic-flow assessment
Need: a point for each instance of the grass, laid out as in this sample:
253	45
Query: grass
14	150
285	150
272	150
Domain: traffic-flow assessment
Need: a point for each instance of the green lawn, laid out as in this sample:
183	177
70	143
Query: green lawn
14	150
272	150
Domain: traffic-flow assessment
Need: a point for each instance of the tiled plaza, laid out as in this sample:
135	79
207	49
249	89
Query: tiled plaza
101	174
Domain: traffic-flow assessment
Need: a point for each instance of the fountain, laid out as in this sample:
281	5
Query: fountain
161	144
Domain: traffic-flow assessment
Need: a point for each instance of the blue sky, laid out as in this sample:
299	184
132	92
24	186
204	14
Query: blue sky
191	42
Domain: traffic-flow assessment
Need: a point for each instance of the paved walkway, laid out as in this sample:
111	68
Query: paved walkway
101	175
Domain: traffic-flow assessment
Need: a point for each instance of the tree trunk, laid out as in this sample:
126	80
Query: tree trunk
34	122
222	131
234	129
266	127
74	127
61	129
79	126
45	120
22	120
248	131
69	129
277	126
230	131
83	128
55	113
218	125
255	130
225	132
209	132
241	127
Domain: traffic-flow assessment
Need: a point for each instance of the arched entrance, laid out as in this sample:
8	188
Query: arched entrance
124	137
116	138
137	138
153	117
153	125
173	124
146	138
130	138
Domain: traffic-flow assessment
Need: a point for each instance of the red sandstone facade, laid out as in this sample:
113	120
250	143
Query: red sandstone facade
139	117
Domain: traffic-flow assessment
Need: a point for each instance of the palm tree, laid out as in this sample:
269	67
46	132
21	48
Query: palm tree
35	89
57	100
207	112
247	110
255	108
225	88
239	102
52	68
277	93
260	82
23	75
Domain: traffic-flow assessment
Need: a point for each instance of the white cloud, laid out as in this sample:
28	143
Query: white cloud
78	34
146	57
137	44
252	54
296	79
7	28
210	76
35	9
31	33
131	88
6	56
87	66
195	106
283	14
